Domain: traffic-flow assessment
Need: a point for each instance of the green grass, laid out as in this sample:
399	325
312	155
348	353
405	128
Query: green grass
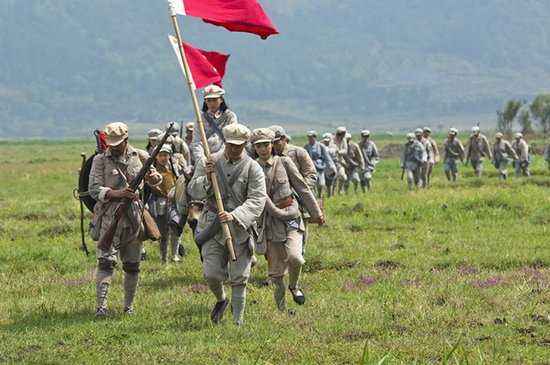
454	274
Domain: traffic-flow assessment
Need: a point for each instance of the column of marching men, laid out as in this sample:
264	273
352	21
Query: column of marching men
271	191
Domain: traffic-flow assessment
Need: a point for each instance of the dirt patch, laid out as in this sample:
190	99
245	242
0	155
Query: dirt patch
196	288
361	284
466	269
354	336
316	264
488	283
387	265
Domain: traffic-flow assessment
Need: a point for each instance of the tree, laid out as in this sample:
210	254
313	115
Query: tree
505	118
525	122
540	108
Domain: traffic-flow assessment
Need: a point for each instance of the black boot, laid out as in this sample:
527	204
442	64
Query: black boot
218	311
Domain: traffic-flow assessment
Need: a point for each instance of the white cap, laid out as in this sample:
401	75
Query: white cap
115	133
213	92
418	131
519	135
341	130
348	135
327	136
453	131
475	129
410	136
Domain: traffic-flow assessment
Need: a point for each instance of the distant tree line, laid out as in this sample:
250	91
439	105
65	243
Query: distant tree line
528	116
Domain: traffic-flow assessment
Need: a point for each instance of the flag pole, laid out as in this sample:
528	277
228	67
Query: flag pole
200	122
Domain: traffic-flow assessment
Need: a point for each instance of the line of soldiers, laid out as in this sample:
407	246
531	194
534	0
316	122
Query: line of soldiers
420	154
268	190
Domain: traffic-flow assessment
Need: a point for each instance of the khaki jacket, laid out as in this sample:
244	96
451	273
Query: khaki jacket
354	157
522	149
245	199
282	178
477	148
303	162
453	150
503	150
112	173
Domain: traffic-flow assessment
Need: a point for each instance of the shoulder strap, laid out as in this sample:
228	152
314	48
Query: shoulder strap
229	183
271	176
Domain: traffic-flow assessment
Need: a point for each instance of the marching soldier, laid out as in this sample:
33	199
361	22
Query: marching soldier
242	184
109	180
355	162
502	150
330	176
162	205
178	144
189	131
427	151
452	150
477	149
281	224
371	157
341	146
153	137
321	159
433	157
521	148
216	115
412	158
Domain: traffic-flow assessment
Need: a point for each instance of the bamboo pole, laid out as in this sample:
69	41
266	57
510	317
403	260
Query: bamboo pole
200	122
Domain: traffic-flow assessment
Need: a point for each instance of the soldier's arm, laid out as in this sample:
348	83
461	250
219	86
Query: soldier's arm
301	188
196	146
461	150
96	184
469	149
436	150
359	157
327	158
511	151
199	187
249	212
488	148
307	167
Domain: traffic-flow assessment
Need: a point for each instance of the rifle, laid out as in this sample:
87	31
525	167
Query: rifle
84	247
106	240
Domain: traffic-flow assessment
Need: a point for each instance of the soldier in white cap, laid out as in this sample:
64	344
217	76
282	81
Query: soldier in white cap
330	175
355	162
522	151
109	184
281	226
452	150
216	115
321	159
503	154
412	158
477	150
426	152
178	144
341	145
153	137
243	189
371	157
433	155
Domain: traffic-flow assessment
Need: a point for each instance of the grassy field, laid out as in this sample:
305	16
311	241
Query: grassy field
454	274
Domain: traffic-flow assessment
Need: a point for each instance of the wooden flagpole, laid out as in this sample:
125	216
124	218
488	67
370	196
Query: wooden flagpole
200	122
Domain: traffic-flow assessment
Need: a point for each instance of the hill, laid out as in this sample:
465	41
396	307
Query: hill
66	65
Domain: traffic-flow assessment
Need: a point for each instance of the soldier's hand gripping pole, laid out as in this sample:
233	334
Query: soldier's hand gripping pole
200	122
106	240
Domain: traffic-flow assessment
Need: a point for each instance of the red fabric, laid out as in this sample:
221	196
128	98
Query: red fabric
234	15
102	141
206	67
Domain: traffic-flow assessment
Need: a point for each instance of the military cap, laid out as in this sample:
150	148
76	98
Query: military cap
154	134
410	136
166	148
327	136
236	133
453	131
519	135
312	134
341	130
475	129
190	126
279	132
348	135
418	131
175	127
427	130
213	92
365	133
499	135
262	135
115	133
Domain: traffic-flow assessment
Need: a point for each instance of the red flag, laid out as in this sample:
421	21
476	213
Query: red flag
234	15
206	67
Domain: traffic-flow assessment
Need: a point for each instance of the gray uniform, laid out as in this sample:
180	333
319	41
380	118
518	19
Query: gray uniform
522	163
452	151
413	157
244	199
282	227
320	156
109	172
502	151
477	150
371	157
